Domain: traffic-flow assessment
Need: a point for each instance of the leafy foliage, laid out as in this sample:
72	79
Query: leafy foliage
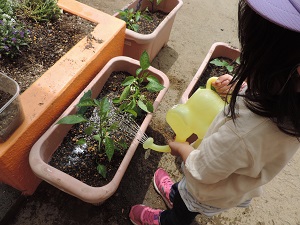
39	10
12	33
132	18
223	63
157	2
101	129
132	100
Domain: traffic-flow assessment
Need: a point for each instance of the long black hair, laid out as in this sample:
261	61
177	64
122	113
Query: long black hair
269	58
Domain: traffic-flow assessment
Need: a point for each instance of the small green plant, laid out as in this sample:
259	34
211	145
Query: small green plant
132	100
6	8
39	10
132	18
101	128
13	36
157	2
223	63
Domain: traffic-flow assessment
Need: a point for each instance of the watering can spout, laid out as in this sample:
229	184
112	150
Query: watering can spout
149	144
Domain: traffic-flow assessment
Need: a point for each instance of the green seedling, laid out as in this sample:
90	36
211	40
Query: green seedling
132	18
132	100
101	129
222	63
156	2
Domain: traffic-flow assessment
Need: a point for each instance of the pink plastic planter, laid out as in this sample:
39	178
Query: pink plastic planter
43	149
136	43
218	49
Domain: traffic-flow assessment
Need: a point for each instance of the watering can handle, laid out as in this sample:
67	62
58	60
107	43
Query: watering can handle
209	81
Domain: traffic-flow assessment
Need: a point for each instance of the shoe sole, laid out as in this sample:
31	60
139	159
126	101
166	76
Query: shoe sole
163	197
133	222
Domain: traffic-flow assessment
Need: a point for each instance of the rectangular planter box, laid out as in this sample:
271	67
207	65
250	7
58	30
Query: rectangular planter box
218	49
49	96
43	149
136	43
11	114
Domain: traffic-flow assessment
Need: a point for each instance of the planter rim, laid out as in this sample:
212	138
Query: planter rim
14	96
185	95
77	188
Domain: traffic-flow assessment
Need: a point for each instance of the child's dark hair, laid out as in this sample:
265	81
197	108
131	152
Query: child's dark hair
269	59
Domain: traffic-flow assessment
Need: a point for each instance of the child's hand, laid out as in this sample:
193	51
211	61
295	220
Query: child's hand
221	84
182	149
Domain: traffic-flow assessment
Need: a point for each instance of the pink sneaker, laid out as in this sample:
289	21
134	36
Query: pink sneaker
163	183
143	215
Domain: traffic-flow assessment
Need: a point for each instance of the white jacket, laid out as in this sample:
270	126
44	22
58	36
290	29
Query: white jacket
234	160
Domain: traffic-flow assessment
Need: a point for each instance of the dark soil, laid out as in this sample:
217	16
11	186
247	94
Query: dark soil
4	98
148	26
49	42
10	117
81	162
214	71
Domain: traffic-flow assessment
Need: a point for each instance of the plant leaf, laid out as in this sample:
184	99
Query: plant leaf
86	103
89	130
138	71
102	170
143	106
86	95
132	112
149	106
72	119
229	68
81	141
97	137
154	85
144	60
125	93
109	148
128	81
104	106
218	62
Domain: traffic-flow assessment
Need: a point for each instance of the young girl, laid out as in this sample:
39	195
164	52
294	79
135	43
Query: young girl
255	136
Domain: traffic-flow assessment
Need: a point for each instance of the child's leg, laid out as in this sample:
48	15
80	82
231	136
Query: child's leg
179	214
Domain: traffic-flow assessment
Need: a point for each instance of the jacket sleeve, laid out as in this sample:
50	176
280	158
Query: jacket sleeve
218	156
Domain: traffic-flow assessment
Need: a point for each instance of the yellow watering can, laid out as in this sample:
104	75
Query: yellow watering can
193	117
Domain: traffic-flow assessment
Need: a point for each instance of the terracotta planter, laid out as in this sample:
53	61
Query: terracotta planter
49	96
136	43
11	113
43	149
218	49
